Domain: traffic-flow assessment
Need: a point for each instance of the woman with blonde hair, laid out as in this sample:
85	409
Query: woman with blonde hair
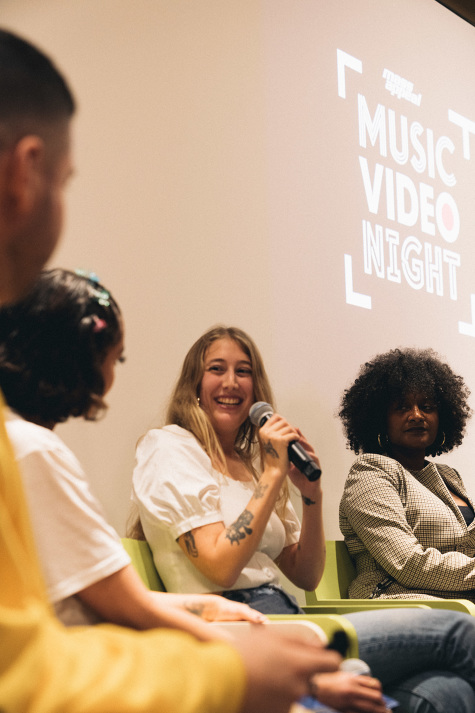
185	408
213	497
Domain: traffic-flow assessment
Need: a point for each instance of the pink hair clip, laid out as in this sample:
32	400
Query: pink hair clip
99	324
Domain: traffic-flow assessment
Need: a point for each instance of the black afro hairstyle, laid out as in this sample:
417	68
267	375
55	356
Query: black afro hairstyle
388	378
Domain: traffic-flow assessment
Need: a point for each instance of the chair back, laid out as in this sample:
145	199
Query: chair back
338	574
142	559
331	595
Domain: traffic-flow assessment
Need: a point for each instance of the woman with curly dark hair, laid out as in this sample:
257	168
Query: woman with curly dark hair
55	347
58	352
408	523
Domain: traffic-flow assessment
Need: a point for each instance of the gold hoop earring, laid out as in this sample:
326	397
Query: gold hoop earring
443	439
198	400
380	444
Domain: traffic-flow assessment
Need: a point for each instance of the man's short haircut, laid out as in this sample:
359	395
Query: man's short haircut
32	90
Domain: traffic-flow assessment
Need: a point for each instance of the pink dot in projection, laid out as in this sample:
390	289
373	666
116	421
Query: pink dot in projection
447	216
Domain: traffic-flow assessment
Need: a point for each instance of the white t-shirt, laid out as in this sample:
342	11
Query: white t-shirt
176	489
76	545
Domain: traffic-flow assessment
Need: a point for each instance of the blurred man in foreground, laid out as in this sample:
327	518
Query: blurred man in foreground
43	666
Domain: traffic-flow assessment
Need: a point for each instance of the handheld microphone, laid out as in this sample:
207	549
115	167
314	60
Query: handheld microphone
360	668
259	413
356	666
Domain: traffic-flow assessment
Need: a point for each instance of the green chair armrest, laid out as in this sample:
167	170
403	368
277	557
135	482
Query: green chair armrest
330	623
463	605
346	606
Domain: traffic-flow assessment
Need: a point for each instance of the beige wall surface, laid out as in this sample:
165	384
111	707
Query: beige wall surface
167	202
221	178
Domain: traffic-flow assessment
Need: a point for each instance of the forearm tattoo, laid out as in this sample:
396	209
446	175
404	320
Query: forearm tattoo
190	544
194	608
239	529
307	501
260	490
269	448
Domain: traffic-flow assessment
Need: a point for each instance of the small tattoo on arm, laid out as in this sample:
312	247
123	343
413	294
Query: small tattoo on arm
239	529
269	448
190	544
194	608
307	501
260	490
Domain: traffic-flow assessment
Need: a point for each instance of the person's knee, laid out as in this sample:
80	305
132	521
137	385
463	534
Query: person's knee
434	692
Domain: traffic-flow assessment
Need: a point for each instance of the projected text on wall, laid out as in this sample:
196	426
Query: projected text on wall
410	228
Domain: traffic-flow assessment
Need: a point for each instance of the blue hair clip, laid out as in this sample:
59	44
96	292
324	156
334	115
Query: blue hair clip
88	274
100	294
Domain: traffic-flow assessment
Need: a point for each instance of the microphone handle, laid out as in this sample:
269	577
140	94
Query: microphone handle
299	457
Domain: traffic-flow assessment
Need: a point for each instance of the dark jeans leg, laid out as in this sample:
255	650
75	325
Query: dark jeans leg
267	599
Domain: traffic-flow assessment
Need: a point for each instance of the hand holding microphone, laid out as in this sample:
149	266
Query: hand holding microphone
352	688
357	667
259	413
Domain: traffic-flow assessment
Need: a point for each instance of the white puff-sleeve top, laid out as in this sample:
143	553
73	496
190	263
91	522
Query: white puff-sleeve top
176	489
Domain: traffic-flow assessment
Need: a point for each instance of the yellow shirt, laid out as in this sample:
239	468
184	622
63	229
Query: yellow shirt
45	668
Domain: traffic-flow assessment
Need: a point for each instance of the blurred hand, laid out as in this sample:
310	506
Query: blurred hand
349	693
279	669
216	608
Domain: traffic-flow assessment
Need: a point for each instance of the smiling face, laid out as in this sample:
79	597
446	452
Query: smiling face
413	422
227	390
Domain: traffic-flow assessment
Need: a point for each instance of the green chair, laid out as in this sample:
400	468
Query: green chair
339	573
142	559
330	623
302	625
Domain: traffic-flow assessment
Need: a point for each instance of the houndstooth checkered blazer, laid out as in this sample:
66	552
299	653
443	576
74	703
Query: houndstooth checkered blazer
405	524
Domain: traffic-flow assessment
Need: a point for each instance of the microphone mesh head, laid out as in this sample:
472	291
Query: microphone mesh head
356	666
258	411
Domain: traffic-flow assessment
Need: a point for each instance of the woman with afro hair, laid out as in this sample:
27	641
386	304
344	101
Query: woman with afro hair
408	522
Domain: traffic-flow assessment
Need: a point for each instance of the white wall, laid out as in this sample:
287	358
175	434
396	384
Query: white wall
218	180
167	204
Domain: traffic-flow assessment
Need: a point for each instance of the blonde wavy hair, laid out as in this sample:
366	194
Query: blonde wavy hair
184	409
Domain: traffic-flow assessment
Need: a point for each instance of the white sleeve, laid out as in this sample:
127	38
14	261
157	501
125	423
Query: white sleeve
76	545
174	482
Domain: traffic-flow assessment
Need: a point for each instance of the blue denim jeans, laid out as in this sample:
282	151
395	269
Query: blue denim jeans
425	659
268	599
